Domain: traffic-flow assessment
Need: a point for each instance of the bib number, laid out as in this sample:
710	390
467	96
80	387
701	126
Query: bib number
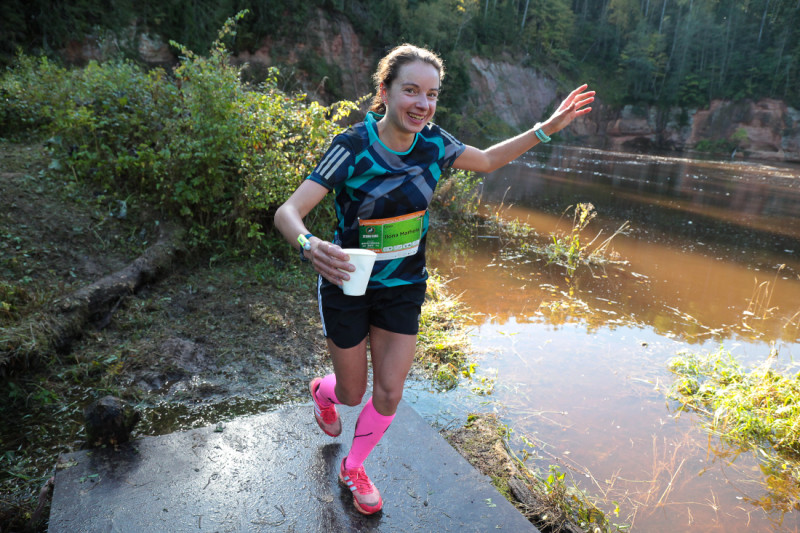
391	238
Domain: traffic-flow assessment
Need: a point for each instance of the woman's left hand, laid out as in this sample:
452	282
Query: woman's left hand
572	107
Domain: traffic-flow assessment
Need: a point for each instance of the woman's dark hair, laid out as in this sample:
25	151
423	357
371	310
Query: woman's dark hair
389	66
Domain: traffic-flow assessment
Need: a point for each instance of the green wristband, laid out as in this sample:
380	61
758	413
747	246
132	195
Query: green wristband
542	136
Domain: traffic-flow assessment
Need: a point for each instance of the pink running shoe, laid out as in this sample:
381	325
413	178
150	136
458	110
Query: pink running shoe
366	497
327	417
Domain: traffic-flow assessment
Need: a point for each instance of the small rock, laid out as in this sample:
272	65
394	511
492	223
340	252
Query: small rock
109	421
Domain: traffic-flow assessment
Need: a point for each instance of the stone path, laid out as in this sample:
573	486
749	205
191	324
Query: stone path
275	472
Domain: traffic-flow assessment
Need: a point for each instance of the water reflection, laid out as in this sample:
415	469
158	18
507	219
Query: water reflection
713	257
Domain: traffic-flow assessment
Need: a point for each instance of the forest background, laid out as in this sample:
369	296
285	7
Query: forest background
656	52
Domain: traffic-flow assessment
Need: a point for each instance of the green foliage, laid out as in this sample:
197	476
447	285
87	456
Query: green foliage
693	91
199	145
668	53
46	27
442	343
569	250
458	195
723	145
757	407
32	93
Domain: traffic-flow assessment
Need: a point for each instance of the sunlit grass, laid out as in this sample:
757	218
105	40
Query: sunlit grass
568	248
759	303
756	408
442	343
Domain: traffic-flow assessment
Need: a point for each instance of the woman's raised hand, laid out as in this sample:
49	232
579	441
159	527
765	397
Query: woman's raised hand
572	107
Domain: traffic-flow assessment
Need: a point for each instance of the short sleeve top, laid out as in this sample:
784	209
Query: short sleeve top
371	181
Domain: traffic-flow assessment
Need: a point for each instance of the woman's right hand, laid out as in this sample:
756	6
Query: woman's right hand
329	260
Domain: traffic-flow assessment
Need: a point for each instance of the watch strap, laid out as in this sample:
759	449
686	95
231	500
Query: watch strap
304	241
305	244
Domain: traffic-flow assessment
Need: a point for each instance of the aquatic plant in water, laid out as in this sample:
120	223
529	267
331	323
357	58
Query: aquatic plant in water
567	248
757	408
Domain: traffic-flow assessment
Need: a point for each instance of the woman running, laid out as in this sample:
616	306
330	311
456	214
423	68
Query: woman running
383	172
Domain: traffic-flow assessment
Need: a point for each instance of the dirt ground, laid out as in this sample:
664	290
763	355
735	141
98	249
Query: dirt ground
208	319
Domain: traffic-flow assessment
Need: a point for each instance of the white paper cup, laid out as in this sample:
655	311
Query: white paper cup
363	261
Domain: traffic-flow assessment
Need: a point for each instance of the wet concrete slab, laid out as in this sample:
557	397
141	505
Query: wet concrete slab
275	472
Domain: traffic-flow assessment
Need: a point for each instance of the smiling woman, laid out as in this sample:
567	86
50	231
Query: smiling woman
383	172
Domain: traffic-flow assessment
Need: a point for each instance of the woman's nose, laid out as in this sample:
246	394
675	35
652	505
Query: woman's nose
422	101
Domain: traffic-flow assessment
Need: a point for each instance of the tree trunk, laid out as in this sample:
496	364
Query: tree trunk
525	14
763	20
50	332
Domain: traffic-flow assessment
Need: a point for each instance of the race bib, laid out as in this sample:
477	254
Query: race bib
391	238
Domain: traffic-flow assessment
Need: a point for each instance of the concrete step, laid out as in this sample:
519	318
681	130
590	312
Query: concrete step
275	472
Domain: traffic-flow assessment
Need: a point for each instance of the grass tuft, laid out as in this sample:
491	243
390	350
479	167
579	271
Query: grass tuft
757	408
442	343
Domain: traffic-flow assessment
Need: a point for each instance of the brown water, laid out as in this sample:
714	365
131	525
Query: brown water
579	362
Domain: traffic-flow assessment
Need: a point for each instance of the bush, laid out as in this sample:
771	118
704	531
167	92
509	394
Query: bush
198	144
30	93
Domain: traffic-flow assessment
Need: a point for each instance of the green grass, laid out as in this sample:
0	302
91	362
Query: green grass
757	408
442	343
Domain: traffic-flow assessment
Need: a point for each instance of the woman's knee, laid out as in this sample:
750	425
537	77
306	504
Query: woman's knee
386	400
350	395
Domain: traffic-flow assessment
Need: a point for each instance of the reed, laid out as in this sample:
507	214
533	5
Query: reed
760	300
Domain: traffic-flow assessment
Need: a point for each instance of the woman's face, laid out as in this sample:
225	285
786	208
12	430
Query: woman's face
411	98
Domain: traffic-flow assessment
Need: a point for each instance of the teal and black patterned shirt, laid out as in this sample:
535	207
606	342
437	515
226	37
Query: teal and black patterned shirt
370	181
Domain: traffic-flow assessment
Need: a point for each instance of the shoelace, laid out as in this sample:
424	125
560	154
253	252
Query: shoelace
360	480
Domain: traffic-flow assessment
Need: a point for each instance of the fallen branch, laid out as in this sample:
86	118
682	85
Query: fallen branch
53	331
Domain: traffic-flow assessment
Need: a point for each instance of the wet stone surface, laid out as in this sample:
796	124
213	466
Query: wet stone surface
275	472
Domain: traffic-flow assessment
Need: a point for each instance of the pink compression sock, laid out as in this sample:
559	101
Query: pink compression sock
370	427
326	392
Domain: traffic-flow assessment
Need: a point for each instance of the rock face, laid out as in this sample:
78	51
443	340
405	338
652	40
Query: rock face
516	95
331	39
151	48
764	129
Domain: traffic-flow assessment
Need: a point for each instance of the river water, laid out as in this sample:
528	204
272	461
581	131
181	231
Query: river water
577	363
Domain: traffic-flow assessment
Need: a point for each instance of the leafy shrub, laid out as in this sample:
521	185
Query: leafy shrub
199	144
30	93
458	194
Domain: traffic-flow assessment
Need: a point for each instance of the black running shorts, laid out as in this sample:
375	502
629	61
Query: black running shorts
346	319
